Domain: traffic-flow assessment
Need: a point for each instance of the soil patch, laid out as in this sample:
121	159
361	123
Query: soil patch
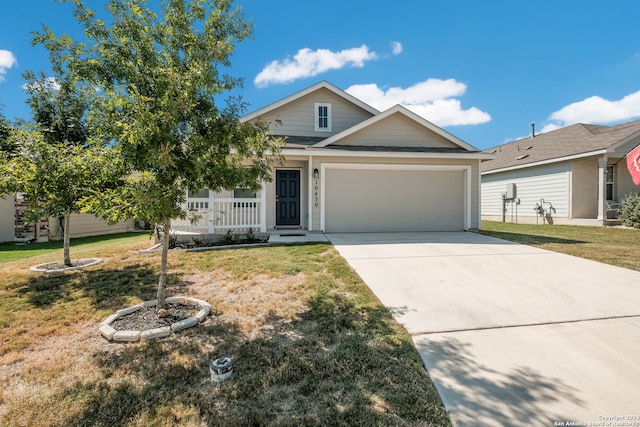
146	318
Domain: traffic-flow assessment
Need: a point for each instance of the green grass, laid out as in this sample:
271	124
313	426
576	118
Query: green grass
311	343
18	251
610	245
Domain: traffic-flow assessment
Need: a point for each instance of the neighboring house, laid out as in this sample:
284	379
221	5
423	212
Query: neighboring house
573	175
14	226
351	168
7	218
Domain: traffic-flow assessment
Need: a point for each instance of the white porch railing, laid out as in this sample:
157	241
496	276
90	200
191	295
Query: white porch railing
223	214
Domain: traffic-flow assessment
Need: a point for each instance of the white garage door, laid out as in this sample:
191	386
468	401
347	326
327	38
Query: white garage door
377	200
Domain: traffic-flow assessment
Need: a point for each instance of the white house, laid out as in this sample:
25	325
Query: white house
352	168
573	175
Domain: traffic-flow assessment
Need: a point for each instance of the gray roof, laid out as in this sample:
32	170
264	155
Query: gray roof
568	141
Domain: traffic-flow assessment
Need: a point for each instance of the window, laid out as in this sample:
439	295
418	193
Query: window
198	204
201	194
609	181
323	117
244	193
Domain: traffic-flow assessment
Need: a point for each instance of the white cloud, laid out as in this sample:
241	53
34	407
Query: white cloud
7	60
397	48
433	99
308	63
599	110
49	83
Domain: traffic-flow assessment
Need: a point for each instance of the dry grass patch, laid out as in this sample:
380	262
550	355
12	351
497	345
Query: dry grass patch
311	344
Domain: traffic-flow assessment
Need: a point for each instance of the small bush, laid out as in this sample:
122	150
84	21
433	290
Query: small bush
630	212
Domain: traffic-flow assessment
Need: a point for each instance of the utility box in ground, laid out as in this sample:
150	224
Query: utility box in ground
511	191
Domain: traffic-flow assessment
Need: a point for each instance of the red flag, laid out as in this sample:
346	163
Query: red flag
633	164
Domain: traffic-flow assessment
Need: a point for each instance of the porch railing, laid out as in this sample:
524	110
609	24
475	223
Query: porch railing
225	214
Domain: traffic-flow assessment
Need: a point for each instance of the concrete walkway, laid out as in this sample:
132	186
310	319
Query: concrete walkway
510	334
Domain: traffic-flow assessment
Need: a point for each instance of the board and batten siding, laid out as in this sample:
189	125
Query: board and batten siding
298	117
550	182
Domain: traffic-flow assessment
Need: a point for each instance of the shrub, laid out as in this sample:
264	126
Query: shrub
630	212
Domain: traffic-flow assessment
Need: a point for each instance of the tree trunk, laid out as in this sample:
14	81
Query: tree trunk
162	282
67	240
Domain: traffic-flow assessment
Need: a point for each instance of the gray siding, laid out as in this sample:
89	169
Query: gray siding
298	117
550	182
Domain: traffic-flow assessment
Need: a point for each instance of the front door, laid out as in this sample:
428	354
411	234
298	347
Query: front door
287	197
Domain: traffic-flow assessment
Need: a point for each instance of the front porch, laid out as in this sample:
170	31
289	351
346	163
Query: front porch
223	215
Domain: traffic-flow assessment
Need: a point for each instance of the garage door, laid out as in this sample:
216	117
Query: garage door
376	200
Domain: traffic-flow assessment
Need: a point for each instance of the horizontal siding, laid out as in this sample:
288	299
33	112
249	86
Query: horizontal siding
298	117
83	225
532	184
397	131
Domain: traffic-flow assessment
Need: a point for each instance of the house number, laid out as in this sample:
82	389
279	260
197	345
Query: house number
316	200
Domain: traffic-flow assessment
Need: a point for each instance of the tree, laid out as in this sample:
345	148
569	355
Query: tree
6	146
160	79
55	177
52	162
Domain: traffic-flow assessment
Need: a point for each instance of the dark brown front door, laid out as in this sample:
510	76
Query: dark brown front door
287	197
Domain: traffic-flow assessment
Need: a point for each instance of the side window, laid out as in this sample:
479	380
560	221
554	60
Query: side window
609	182
323	117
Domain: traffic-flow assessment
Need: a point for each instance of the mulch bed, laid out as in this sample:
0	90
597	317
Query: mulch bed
146	318
51	266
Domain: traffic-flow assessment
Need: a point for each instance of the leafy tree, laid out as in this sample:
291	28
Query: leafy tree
52	161
6	146
54	177
160	79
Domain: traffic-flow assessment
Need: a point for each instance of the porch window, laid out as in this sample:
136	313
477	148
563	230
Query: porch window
201	194
323	117
198	204
609	183
244	193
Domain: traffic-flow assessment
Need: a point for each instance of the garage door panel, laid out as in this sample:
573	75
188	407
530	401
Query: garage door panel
364	200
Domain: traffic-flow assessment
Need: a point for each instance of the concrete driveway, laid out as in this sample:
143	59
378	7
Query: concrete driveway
510	334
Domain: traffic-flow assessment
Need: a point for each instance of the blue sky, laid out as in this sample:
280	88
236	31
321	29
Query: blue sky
482	70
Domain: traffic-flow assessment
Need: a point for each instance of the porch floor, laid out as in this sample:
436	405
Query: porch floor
295	236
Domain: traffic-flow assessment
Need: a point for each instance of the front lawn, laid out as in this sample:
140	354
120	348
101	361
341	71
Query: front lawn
311	344
611	245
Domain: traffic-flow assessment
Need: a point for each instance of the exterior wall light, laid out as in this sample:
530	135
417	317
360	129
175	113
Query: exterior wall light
316	173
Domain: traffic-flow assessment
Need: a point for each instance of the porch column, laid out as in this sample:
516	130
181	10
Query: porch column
263	207
602	176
